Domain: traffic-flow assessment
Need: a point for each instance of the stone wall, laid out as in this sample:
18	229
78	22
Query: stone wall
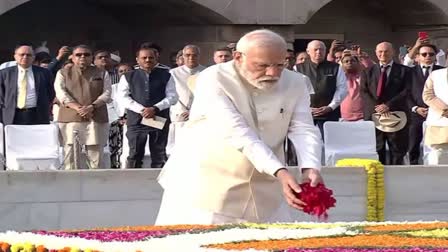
86	199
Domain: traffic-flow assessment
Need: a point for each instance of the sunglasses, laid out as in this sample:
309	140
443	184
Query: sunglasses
427	54
79	55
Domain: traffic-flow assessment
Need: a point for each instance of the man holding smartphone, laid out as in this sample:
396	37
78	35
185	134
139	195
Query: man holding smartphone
425	55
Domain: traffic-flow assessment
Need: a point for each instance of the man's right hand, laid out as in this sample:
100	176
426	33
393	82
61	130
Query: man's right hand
423	112
148	112
185	115
420	42
290	188
445	113
63	51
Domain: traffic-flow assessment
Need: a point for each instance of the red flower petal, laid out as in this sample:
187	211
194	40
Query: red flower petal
318	199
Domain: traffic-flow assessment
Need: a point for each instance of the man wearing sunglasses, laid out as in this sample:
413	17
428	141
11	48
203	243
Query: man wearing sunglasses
83	90
426	58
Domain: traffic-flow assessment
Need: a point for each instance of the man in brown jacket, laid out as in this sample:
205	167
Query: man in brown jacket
84	91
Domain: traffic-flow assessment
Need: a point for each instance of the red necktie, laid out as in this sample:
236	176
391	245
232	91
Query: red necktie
382	80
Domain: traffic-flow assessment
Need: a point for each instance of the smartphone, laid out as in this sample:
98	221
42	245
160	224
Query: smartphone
422	35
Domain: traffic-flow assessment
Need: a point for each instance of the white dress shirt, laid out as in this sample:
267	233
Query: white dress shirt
125	100
341	89
31	98
388	69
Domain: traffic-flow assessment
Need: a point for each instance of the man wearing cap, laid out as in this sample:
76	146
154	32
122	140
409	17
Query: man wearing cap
385	93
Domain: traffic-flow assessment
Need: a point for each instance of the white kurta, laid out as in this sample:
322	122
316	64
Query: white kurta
181	174
180	75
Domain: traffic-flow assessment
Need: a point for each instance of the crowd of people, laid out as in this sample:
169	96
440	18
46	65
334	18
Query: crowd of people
91	92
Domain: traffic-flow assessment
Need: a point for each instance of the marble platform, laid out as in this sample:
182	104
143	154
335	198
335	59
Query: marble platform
84	199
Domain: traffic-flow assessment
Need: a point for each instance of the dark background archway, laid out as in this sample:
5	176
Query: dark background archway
108	24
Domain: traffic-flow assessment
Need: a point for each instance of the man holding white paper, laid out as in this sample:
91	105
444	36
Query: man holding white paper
147	93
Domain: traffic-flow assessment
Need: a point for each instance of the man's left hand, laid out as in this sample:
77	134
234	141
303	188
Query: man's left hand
382	108
312	176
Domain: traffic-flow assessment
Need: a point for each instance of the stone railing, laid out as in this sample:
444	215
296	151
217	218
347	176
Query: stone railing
102	198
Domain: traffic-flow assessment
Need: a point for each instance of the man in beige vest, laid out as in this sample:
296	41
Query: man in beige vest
228	164
83	90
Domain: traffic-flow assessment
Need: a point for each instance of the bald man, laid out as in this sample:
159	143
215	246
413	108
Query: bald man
228	166
384	90
329	84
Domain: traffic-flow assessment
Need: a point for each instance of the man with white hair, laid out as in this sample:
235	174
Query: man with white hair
329	84
228	165
179	113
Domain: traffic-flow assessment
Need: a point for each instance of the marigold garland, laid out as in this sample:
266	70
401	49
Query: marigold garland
375	185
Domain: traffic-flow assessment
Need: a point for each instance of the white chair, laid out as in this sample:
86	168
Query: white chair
349	140
125	154
32	147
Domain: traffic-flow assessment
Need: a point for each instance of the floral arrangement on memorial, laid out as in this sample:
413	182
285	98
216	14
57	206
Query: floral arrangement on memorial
287	237
375	185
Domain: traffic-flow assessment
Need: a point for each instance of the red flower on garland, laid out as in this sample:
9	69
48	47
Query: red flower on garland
317	199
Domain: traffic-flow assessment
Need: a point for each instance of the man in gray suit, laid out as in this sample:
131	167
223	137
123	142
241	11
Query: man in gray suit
26	91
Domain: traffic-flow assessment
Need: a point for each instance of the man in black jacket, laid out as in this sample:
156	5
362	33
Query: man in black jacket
426	57
329	84
384	89
146	92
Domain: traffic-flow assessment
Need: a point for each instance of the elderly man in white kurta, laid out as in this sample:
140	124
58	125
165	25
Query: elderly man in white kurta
228	165
179	113
84	91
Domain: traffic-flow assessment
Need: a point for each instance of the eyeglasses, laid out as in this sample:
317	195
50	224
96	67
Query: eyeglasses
349	61
79	55
427	54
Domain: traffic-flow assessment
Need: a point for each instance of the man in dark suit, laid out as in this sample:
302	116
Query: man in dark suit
26	91
426	57
384	89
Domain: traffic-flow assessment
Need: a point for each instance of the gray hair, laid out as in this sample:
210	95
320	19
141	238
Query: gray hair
312	43
260	38
194	47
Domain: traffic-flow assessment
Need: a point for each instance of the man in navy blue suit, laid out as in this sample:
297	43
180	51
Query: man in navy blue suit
26	91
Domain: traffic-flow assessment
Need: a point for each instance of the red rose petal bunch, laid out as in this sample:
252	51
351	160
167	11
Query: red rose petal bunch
317	199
